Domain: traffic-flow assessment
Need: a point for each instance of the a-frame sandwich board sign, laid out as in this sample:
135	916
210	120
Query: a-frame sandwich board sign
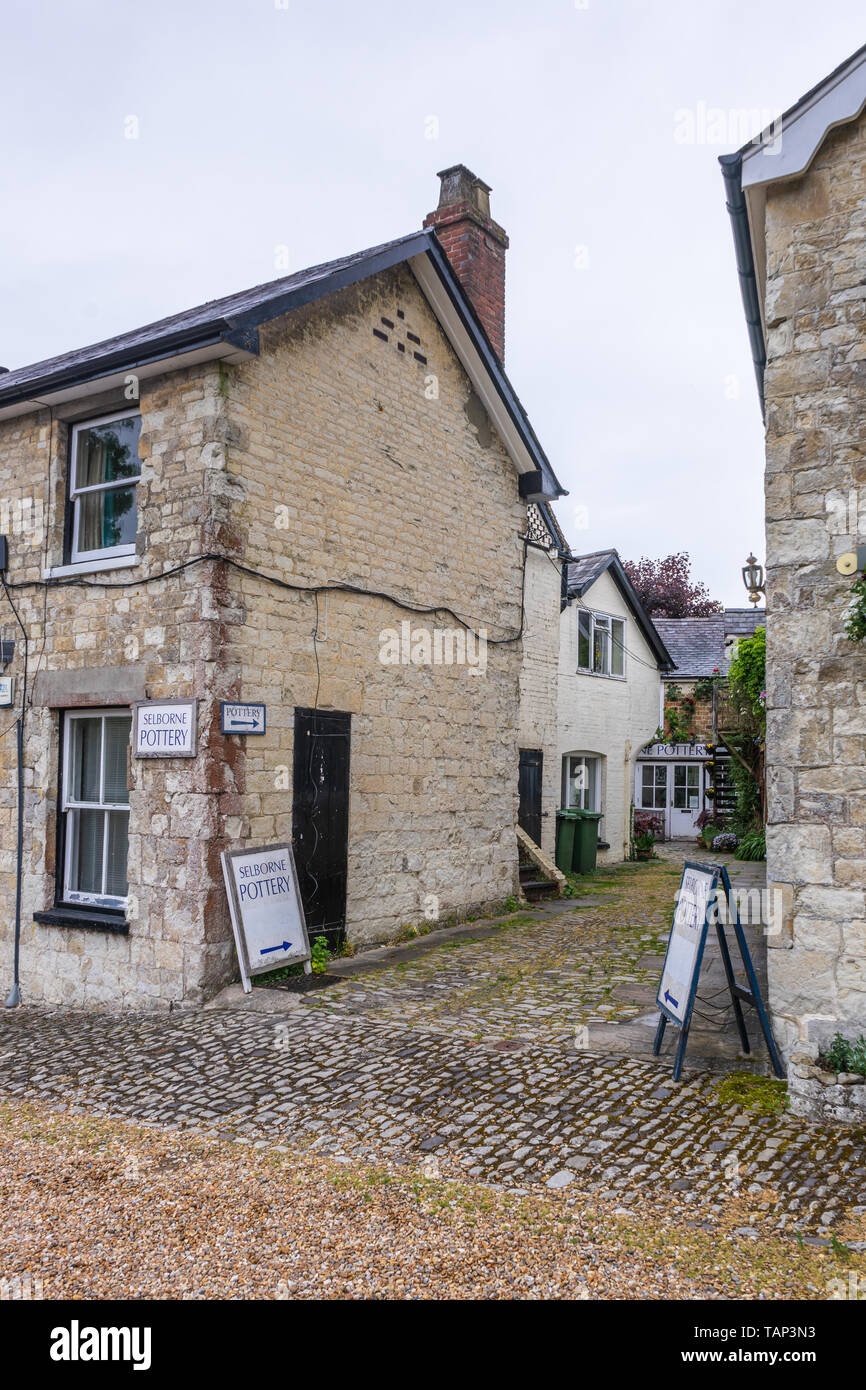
696	909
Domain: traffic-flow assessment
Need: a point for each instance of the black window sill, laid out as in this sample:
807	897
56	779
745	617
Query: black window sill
84	917
602	844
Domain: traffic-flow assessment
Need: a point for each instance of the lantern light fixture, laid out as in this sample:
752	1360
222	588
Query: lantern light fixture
753	578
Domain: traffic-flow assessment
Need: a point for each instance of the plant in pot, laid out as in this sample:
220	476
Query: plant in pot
644	845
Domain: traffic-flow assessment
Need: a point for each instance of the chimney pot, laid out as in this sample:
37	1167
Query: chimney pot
475	245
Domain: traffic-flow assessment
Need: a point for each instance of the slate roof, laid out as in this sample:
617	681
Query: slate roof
697	645
212	316
583	571
236	318
742	622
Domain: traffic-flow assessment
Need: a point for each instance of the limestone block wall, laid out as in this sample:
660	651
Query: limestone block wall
539	682
152	640
610	718
340	454
360	461
816	509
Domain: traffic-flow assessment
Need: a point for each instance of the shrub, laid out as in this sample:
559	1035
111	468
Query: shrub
752	845
320	955
645	822
709	833
843	1055
726	841
645	843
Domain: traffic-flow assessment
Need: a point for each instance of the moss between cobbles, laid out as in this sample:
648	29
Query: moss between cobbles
762	1093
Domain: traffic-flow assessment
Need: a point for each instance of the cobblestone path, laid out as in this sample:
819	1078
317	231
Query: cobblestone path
465	1057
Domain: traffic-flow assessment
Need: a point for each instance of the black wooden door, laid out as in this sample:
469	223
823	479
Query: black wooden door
529	791
320	819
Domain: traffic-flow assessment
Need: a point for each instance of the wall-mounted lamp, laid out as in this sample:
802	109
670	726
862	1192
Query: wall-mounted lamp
753	578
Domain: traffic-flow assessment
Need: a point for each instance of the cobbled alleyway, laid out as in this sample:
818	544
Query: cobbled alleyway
465	1054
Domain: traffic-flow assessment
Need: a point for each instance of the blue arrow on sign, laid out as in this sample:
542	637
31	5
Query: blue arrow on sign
669	999
283	946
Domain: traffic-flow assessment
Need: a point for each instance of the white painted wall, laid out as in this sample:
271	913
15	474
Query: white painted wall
539	678
610	718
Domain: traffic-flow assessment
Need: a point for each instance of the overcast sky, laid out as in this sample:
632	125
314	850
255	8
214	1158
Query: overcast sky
264	124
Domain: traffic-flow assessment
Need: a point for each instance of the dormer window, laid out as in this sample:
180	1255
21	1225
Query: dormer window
104	467
600	644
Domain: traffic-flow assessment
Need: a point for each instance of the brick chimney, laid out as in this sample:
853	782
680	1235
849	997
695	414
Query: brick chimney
475	245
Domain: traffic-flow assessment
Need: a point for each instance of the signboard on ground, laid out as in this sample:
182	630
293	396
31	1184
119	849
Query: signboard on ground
686	942
695	912
165	729
243	719
266	909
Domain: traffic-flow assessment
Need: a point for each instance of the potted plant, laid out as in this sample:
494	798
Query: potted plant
644	845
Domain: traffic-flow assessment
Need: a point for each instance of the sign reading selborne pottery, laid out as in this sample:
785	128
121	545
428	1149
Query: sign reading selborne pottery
266	909
165	729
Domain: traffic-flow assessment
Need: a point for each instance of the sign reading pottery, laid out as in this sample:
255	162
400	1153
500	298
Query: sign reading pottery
7	691
165	729
675	750
243	719
266	909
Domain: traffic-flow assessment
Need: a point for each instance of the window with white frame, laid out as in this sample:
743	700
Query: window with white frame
581	784
104	468
654	786
95	807
600	644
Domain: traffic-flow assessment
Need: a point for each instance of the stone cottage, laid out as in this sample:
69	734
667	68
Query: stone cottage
686	771
797	200
310	496
610	665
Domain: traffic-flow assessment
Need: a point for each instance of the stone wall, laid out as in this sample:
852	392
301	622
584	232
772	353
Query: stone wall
816	509
357	461
159	640
334	456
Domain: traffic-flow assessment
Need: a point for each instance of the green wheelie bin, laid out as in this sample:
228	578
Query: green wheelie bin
585	841
566	827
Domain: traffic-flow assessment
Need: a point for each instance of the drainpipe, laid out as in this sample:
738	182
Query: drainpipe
14	997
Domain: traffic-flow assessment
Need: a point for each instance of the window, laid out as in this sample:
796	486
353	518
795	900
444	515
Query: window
687	787
95	807
600	644
104	468
581	783
654	786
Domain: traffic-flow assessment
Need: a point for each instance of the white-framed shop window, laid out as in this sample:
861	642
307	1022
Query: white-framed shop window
95	806
654	787
104	469
600	644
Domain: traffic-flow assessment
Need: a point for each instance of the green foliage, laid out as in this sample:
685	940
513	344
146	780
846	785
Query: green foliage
511	903
762	1093
746	816
747	682
855	614
320	955
709	833
645	843
705	687
752	846
843	1055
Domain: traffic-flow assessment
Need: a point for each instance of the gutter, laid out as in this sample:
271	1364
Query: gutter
732	171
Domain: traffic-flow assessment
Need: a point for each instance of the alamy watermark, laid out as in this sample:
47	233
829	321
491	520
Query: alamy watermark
423	646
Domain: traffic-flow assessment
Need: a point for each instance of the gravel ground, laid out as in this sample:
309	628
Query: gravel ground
93	1207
